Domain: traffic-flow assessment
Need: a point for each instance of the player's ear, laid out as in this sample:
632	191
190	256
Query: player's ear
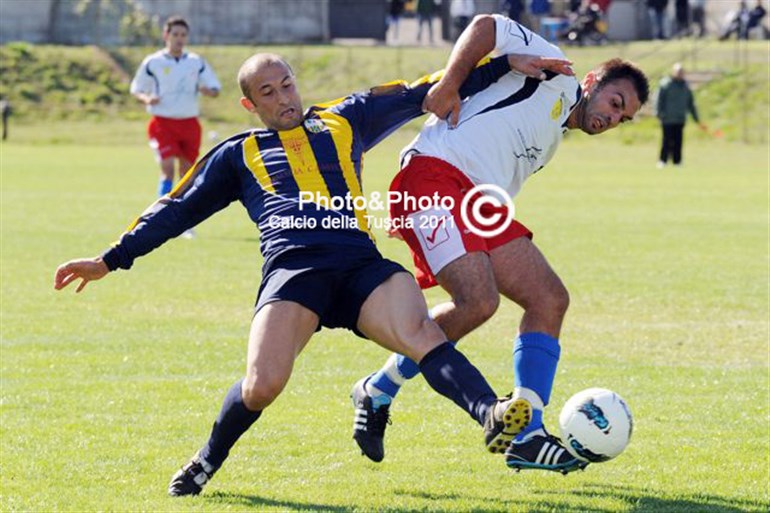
248	105
589	82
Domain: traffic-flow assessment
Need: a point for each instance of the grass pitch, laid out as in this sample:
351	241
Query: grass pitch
105	394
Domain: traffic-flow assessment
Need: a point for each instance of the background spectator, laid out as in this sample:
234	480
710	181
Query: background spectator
754	19
5	111
395	10
657	10
698	16
682	17
461	12
673	103
425	10
539	10
513	9
736	21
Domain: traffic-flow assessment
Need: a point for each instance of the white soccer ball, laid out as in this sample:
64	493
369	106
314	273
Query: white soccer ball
596	425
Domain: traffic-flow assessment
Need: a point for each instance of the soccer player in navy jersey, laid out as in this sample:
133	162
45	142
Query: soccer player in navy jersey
313	275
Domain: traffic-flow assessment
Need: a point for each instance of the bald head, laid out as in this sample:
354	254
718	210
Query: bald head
269	91
254	65
677	71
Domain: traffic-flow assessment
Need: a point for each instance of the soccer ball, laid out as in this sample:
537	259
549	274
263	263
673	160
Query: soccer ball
596	425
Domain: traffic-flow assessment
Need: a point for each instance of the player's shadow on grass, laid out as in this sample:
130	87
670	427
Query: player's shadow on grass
259	503
496	505
639	500
636	500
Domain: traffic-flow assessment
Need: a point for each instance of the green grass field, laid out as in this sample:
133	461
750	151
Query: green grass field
105	394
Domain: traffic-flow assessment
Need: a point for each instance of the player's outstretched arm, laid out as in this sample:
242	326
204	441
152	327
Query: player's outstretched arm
86	269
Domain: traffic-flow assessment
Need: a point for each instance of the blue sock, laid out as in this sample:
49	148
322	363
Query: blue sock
382	381
449	373
406	367
164	186
534	424
390	378
535	357
234	419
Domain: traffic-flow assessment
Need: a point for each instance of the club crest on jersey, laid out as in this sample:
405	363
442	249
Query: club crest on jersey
293	144
556	110
314	126
166	70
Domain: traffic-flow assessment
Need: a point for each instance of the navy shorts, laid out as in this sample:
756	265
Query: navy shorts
332	281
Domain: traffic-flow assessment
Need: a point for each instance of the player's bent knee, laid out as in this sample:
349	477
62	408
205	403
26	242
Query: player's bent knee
420	338
478	310
562	300
258	394
550	304
557	300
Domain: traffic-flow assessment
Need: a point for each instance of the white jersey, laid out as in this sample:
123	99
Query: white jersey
510	130
175	81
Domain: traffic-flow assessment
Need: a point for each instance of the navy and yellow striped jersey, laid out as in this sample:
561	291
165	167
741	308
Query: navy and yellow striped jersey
268	171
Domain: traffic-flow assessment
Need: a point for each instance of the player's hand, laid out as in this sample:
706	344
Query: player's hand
535	67
207	91
444	101
87	269
151	100
393	233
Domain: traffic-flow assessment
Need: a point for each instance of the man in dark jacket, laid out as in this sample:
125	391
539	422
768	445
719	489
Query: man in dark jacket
673	103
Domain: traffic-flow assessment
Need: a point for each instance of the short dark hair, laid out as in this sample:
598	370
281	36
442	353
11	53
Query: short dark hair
618	69
175	20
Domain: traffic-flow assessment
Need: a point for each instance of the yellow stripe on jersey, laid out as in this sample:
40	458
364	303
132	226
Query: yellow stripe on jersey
436	76
483	61
304	166
428	79
330	103
342	135
180	188
253	159
183	184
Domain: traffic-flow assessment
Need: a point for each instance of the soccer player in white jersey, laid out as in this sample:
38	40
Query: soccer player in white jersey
168	82
499	136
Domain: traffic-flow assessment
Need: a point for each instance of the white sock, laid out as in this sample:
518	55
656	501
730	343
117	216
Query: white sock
529	395
206	465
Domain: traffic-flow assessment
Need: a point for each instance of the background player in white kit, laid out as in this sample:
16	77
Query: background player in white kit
168	82
499	136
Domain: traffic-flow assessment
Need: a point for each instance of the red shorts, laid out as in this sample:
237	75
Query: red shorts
175	137
437	236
